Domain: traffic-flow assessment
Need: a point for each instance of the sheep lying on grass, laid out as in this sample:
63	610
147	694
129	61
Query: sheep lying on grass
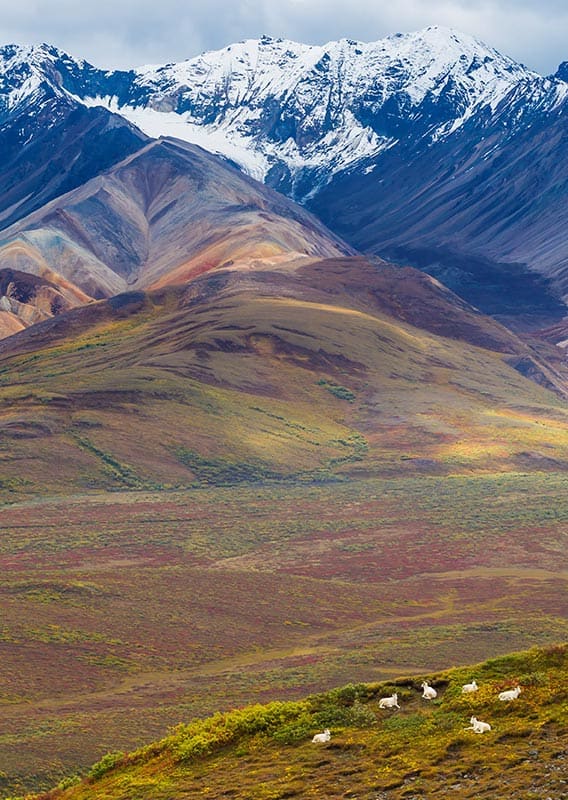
477	726
469	687
322	737
389	702
429	692
510	694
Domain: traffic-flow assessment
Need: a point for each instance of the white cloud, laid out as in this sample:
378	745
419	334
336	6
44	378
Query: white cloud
131	32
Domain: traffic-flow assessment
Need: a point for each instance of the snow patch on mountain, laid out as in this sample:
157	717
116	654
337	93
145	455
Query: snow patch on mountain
158	124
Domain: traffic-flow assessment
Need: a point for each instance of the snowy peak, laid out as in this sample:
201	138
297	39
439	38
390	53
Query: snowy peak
292	114
414	62
249	72
31	74
422	62
22	73
295	114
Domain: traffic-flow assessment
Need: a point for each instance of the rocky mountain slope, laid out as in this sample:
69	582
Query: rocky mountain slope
482	209
49	142
164	214
26	299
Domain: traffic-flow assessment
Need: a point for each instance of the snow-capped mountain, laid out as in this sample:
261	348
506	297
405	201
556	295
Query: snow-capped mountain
428	147
289	114
292	115
50	142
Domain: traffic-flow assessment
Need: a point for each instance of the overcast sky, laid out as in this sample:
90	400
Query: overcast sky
127	33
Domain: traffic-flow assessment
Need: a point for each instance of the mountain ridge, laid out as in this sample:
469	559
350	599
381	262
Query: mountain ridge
298	93
407	147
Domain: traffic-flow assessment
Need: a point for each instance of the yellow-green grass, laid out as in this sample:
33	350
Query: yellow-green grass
124	613
422	750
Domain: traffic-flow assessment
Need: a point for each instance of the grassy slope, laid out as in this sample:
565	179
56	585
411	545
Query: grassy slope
246	384
319	445
423	750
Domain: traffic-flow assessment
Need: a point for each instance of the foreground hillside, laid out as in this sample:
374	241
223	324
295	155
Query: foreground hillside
424	749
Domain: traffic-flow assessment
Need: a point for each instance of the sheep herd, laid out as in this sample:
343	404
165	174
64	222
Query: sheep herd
429	693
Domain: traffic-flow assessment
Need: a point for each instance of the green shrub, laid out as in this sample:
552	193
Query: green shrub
66	783
360	715
533	679
106	763
411	724
294	732
341	392
221	472
205	736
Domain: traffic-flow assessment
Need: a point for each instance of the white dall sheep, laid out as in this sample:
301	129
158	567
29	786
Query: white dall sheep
469	687
511	694
429	692
389	702
322	737
477	726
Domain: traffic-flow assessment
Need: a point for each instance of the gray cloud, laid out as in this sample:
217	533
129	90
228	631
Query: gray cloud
123	33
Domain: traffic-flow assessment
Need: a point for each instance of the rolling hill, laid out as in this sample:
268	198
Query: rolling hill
322	370
343	440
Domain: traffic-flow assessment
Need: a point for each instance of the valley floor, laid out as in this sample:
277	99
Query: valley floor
126	613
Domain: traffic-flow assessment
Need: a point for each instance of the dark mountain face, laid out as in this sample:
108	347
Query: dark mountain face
562	71
50	150
483	210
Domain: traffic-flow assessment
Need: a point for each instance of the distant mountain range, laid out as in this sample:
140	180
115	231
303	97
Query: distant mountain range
430	148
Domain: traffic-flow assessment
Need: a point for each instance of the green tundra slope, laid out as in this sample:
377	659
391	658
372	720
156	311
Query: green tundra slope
425	749
305	371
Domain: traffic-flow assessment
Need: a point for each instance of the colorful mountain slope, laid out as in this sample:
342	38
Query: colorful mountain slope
163	215
26	299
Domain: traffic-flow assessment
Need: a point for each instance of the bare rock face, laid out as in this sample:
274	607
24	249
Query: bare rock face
165	214
26	299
